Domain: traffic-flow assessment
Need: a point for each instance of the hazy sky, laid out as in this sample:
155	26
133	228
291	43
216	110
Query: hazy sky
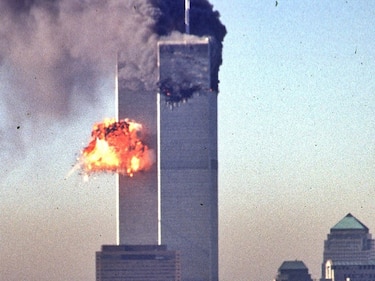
296	149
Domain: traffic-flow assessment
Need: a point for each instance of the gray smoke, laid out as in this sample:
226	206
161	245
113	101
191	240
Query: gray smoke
53	52
58	48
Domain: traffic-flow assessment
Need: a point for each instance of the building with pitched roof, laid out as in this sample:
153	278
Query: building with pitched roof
349	252
293	271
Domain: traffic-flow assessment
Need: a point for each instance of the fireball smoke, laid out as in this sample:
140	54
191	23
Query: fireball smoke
116	146
54	52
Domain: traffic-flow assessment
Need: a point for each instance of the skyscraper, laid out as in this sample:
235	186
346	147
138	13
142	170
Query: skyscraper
138	196
188	155
349	252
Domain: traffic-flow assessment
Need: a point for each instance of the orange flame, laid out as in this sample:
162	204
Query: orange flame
116	147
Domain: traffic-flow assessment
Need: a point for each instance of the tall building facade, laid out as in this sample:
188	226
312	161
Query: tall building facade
140	262
138	196
349	252
293	271
188	165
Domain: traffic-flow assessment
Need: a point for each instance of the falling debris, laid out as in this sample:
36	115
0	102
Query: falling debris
116	146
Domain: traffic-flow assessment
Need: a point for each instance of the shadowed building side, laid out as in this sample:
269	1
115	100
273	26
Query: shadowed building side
188	156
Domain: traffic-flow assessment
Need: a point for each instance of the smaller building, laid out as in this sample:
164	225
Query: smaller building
293	271
137	262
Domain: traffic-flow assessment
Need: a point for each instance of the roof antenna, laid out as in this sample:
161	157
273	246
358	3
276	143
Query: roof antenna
187	16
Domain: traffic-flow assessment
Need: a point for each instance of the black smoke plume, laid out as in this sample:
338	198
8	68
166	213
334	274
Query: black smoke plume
55	53
204	21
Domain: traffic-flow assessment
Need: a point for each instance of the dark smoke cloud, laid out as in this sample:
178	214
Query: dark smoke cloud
55	52
204	21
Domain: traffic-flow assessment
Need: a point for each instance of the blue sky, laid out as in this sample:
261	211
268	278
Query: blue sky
297	130
296	149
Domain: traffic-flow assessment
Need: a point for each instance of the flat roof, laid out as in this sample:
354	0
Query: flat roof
288	265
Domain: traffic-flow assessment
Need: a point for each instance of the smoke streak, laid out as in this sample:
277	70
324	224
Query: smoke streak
56	50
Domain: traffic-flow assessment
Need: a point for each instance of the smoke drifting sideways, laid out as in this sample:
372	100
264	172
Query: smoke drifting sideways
55	52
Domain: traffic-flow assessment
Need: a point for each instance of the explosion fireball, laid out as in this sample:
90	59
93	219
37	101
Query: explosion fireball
116	146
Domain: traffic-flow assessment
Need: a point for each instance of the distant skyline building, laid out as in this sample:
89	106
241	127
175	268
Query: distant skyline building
349	252
188	164
293	271
137	262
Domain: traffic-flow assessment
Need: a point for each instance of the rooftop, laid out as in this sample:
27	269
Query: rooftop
292	265
349	222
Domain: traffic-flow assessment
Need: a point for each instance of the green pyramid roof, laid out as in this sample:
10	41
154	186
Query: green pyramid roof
349	222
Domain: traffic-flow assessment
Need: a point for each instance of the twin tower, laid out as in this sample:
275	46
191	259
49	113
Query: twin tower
175	203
